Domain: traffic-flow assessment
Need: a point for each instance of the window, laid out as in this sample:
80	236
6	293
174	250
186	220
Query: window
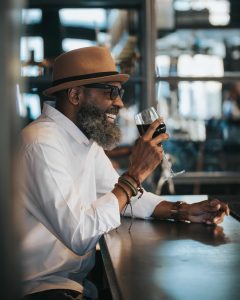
31	16
71	44
34	43
216	12
91	18
199	99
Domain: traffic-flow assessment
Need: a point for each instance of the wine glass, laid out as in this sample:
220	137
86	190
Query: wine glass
143	120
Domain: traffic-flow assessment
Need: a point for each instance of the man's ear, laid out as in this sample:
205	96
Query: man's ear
75	95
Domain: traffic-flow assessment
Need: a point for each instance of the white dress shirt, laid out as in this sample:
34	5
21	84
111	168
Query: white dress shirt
67	202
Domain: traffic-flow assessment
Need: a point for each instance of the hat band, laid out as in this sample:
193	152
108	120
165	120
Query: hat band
81	77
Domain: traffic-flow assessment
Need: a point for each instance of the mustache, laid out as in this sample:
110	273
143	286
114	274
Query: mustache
112	110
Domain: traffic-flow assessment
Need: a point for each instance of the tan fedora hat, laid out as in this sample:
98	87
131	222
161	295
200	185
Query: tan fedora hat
83	66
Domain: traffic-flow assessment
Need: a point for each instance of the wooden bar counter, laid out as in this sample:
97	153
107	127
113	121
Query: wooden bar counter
166	260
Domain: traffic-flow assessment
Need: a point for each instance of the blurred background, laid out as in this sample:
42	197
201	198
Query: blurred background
184	59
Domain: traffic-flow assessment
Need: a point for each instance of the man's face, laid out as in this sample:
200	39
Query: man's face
98	113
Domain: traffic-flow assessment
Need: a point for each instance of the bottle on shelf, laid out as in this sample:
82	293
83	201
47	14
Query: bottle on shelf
32	68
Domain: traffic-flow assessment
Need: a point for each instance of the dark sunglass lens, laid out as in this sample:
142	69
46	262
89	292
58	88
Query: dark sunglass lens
114	93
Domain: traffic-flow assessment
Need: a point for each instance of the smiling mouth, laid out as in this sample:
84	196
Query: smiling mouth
111	118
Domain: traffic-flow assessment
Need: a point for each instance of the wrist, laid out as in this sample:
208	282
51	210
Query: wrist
133	174
180	211
131	178
134	182
125	190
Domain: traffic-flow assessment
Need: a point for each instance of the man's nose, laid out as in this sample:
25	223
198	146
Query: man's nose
118	102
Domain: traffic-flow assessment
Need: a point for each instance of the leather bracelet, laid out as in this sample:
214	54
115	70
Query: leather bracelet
125	192
139	186
134	178
129	184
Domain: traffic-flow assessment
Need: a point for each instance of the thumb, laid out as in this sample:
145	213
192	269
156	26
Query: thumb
213	202
212	205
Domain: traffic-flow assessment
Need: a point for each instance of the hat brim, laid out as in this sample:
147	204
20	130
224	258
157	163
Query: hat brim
122	78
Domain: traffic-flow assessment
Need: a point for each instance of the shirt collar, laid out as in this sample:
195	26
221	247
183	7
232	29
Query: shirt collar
66	123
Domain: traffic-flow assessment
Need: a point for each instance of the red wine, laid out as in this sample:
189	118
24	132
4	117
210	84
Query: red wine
142	128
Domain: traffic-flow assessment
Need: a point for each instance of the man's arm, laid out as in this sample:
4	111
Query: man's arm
147	154
207	211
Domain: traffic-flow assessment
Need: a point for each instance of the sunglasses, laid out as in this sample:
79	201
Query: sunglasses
114	90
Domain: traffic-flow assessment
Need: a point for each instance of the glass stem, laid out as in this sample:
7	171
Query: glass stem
168	164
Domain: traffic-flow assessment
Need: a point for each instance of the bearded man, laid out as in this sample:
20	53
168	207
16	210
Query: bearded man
72	194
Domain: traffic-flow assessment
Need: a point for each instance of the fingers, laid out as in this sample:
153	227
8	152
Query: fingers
209	212
145	157
219	217
225	208
152	128
214	220
160	138
216	205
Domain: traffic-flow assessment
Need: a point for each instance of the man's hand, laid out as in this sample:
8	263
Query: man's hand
147	153
208	211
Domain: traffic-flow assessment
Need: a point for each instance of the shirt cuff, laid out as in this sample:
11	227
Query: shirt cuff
144	206
107	210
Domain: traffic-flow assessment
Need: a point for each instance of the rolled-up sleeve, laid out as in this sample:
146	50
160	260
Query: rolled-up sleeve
143	207
107	208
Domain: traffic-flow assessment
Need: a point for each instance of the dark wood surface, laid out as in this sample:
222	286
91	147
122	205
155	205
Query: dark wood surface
173	260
